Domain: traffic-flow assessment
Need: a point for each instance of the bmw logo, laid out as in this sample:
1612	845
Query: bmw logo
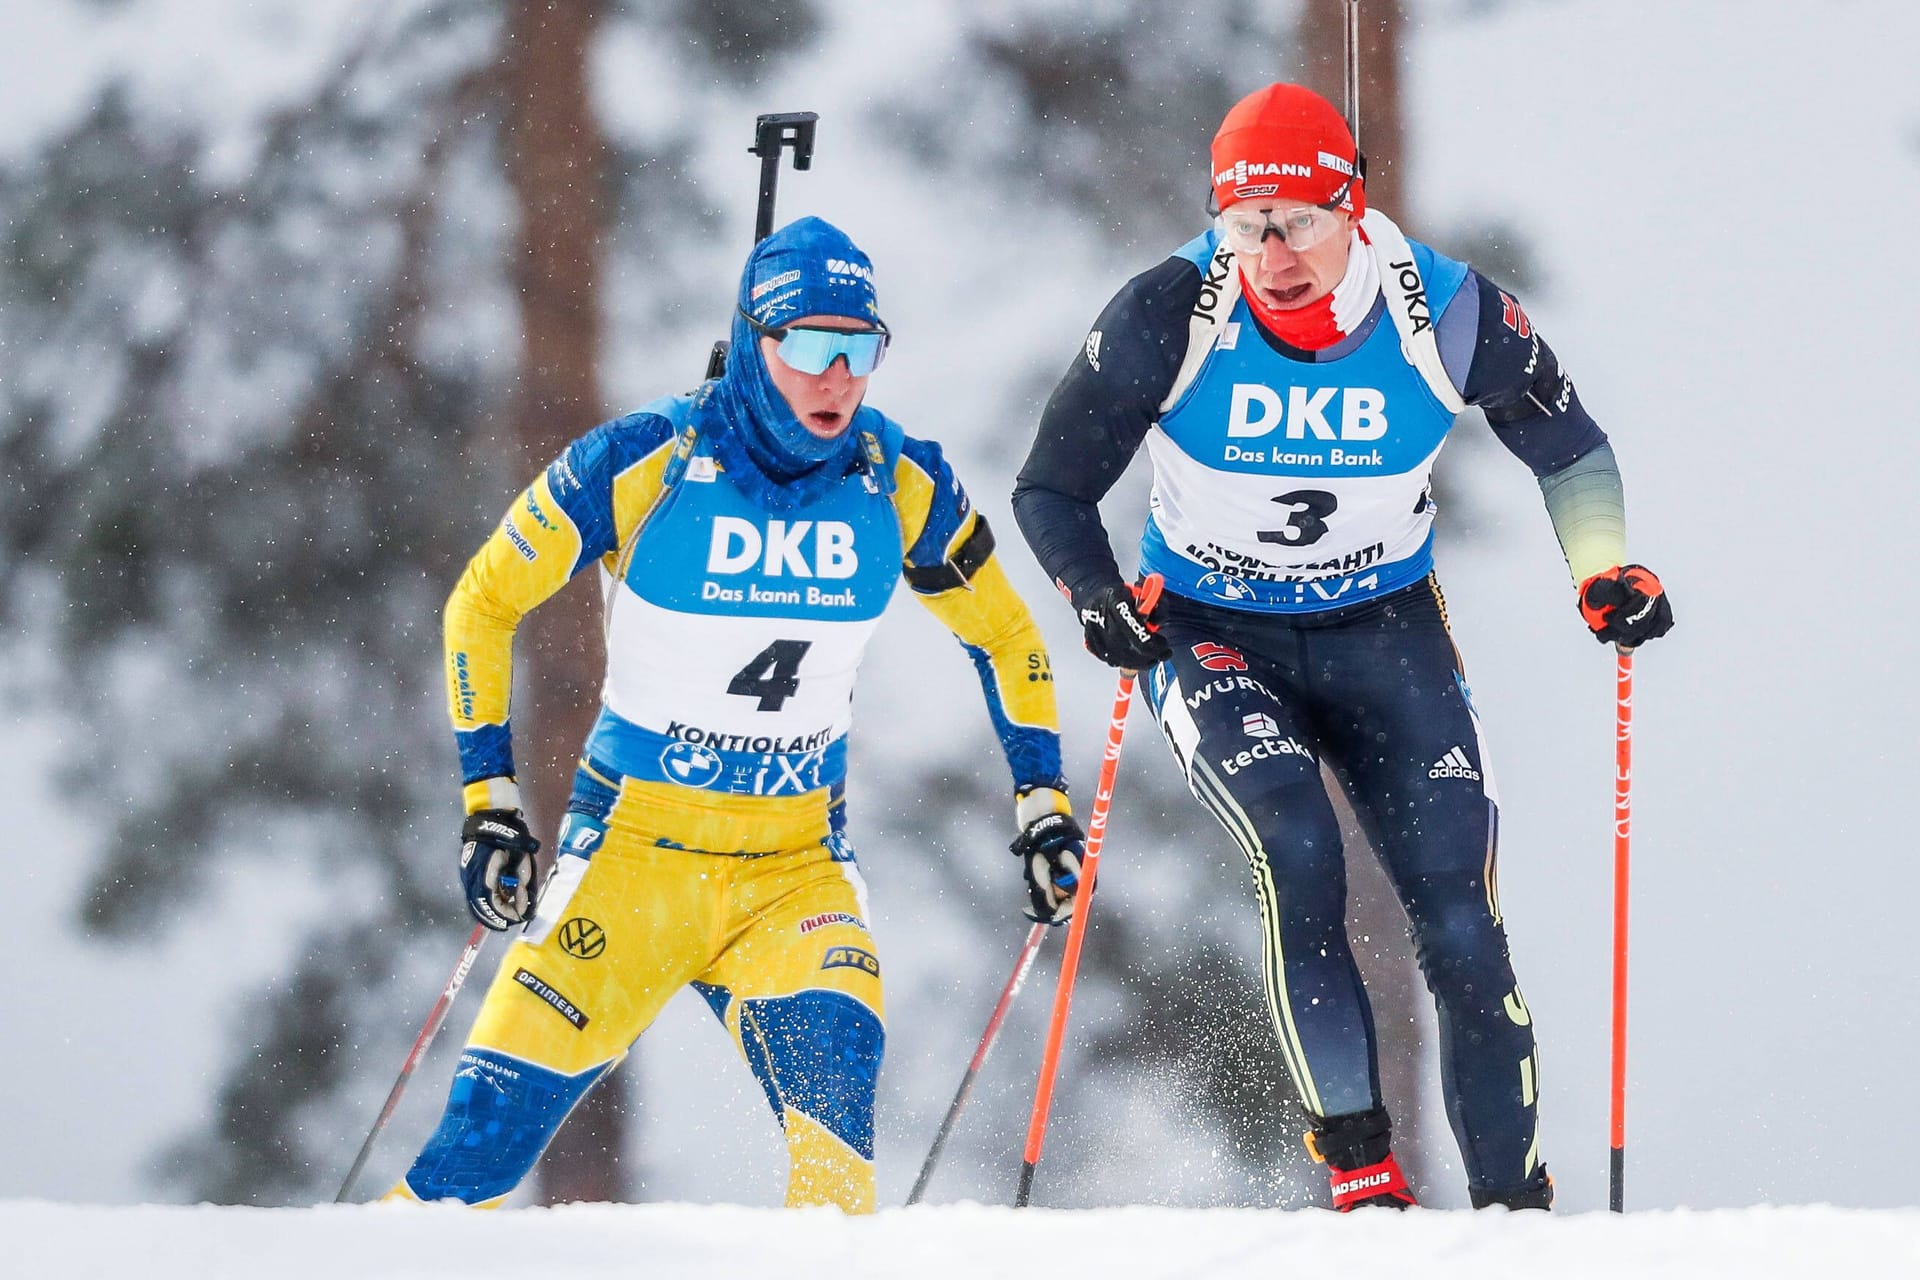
1225	586
691	765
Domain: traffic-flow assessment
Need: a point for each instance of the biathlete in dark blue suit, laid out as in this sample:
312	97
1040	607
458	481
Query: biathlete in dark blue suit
1293	373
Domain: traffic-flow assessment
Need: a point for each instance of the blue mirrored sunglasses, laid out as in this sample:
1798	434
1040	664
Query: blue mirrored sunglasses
813	351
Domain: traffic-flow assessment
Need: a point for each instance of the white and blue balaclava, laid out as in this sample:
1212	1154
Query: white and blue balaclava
807	268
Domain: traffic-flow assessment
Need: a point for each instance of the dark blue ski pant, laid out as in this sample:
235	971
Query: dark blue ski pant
1252	704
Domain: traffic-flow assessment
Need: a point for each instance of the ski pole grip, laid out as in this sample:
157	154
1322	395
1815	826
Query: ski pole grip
1146	594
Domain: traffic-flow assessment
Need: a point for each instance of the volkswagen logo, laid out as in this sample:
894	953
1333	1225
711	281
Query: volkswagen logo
582	938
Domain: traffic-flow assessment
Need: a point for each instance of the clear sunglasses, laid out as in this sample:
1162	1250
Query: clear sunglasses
1300	229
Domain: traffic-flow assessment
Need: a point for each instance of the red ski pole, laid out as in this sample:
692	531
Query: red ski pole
1622	838
1148	594
475	941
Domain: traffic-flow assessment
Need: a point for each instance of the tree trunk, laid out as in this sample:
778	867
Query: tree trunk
556	159
1322	42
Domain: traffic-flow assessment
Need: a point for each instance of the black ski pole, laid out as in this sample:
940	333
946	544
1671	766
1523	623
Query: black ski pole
772	134
1021	967
1353	70
438	1015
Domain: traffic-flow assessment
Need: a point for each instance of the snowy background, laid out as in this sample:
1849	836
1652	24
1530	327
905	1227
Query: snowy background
1708	189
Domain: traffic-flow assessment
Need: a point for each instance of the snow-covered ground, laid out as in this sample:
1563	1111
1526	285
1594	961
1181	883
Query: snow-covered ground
667	1241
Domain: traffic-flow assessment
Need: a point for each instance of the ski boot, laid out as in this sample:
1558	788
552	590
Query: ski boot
1535	1193
1355	1148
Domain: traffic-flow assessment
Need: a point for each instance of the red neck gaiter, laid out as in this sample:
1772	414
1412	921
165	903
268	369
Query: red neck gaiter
1322	323
1308	328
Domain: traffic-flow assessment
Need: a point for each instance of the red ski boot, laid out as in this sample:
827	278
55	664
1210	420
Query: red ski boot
1379	1185
1360	1162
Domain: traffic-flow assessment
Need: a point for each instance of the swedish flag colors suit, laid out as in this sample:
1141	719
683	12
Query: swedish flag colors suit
705	841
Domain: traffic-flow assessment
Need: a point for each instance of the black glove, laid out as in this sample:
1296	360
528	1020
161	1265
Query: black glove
497	868
1118	633
1626	606
1049	850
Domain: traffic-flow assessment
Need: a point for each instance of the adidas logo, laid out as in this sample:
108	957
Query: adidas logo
1454	764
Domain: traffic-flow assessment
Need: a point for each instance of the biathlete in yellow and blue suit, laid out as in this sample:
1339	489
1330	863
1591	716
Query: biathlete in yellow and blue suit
749	536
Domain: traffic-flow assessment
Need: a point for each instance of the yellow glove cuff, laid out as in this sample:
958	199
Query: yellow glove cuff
491	793
1036	804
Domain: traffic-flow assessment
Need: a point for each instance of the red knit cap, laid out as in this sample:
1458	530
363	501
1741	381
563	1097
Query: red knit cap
1286	142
